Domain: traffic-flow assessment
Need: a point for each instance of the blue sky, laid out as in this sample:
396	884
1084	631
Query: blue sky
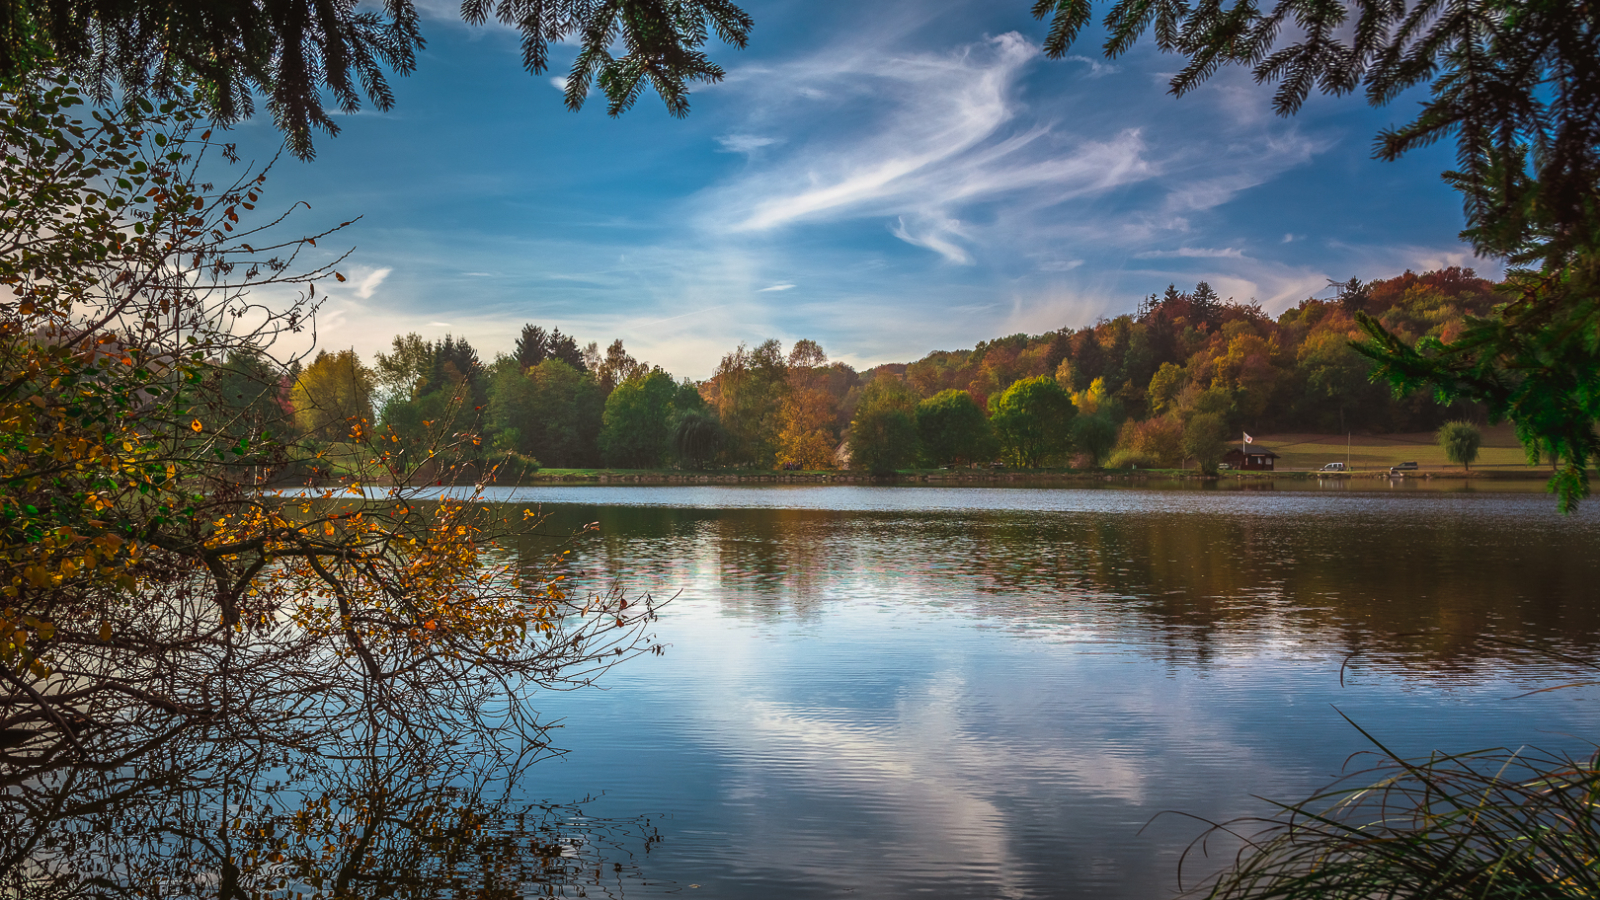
886	178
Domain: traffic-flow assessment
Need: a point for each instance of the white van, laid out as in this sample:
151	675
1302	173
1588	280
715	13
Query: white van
1333	467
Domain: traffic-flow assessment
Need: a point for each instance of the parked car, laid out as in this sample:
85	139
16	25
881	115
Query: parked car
1403	467
1333	467
1223	467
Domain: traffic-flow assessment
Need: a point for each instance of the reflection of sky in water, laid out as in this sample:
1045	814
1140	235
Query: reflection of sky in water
878	698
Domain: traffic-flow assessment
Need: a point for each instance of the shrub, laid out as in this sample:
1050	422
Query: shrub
1133	459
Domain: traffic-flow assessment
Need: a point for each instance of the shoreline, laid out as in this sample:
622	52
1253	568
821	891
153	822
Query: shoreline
978	478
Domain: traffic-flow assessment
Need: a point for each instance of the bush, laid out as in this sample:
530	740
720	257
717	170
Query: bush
1160	439
1133	459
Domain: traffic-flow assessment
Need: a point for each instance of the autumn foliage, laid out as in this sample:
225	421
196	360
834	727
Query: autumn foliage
159	584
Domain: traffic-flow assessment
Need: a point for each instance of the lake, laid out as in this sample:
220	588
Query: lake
968	692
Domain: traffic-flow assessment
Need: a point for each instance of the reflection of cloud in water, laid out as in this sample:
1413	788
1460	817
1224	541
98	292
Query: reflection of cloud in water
932	780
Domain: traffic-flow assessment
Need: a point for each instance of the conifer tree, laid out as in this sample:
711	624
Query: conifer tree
295	54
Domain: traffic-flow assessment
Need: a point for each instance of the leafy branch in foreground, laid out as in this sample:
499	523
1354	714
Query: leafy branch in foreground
292	52
1516	84
156	591
1536	362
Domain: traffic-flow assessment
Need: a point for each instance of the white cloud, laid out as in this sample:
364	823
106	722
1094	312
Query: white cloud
935	135
777	287
371	281
559	83
745	143
1194	253
439	324
935	233
1098	68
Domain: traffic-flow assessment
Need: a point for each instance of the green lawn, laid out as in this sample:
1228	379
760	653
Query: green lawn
1304	452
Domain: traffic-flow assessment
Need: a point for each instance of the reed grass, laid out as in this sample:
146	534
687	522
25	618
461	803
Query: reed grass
1487	825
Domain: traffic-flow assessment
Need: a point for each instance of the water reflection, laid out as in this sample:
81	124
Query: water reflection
992	693
895	692
1416	581
203	816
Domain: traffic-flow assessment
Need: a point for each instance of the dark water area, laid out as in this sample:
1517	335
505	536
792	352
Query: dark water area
889	692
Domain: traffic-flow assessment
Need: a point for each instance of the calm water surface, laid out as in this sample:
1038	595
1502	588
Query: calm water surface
887	692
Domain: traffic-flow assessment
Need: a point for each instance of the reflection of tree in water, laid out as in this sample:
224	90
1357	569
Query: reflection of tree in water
338	751
1408	593
1412	589
211	815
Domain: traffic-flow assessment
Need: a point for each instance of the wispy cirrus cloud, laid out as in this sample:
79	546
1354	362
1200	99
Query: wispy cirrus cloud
1194	253
940	134
927	176
371	281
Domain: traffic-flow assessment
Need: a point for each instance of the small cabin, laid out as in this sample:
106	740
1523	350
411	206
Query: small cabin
1252	460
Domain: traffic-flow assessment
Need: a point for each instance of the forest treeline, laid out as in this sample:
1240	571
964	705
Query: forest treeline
1166	385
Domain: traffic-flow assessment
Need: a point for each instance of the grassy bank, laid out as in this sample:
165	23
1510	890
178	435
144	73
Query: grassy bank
1501	452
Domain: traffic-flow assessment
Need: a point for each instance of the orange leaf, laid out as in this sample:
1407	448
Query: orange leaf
196	426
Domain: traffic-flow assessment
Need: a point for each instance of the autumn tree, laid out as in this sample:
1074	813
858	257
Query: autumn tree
1515	86
807	438
746	392
617	366
154	591
333	394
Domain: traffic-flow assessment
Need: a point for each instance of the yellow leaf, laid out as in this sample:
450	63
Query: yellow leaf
105	631
196	426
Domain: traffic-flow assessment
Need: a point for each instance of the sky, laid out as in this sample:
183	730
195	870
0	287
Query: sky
886	178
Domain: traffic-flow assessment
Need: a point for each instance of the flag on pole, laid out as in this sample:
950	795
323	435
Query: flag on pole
1248	439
